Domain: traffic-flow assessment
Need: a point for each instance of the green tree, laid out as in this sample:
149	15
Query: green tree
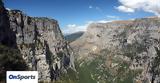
10	60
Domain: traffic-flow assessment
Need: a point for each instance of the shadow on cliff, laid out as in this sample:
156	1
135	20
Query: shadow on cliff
10	56
50	58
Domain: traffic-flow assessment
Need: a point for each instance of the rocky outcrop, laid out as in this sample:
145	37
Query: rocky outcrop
10	56
42	45
134	41
7	36
39	41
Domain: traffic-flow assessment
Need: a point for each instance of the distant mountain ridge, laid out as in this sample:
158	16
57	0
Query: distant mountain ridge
72	37
127	50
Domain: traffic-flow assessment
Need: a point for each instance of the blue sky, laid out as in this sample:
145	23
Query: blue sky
75	13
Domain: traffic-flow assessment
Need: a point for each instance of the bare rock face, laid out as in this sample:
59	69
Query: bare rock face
39	40
7	36
135	42
42	44
10	57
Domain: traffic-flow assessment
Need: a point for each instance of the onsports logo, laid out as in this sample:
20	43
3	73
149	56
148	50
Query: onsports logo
22	77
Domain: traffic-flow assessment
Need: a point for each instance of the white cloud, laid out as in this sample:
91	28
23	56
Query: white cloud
90	7
8	9
99	9
112	17
125	9
103	21
72	28
96	8
152	6
71	25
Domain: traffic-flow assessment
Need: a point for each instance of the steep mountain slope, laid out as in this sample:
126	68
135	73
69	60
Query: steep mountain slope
7	36
72	37
121	51
39	42
10	57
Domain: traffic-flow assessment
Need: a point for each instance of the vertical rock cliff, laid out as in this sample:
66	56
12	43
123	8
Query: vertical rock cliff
39	41
41	44
10	56
7	36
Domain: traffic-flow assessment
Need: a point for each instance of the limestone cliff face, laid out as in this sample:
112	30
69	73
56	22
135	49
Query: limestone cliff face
7	36
39	41
41	44
10	57
135	42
